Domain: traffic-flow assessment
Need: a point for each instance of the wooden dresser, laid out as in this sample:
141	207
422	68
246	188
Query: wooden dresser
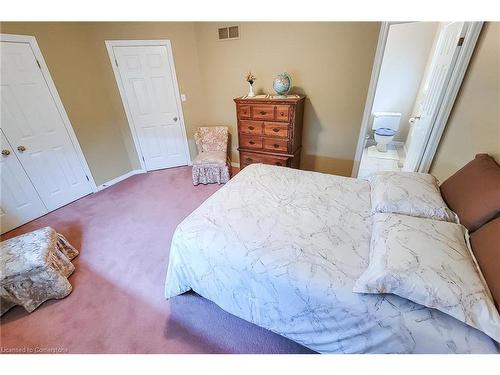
270	131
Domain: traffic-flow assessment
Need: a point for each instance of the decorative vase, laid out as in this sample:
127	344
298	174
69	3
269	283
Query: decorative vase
282	84
250	90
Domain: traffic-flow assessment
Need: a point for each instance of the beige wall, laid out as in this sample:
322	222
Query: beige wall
330	62
79	64
474	124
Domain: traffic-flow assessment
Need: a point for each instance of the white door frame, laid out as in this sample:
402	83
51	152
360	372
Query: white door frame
451	91
131	43
31	40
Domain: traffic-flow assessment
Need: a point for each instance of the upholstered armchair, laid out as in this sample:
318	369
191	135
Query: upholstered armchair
212	163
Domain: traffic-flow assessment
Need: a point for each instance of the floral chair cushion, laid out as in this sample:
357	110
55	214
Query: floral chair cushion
211	157
212	138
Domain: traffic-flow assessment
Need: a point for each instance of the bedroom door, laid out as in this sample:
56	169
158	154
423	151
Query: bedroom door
433	88
148	86
33	124
19	201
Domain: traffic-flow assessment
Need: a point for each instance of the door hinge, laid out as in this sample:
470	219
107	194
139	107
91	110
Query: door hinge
460	41
88	179
38	63
116	63
144	160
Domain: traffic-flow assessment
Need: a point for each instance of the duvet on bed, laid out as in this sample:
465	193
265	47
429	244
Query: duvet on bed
283	248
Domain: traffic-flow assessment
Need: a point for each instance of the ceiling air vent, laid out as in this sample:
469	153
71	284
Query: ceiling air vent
229	32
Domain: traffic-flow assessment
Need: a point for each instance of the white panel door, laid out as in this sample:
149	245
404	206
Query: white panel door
434	86
34	127
149	91
19	201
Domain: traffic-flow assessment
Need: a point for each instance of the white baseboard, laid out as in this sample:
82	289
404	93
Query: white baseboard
120	178
234	164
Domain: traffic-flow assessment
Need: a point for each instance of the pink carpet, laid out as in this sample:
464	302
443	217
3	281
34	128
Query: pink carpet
117	304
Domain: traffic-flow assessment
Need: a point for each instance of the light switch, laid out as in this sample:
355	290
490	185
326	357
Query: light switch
183	97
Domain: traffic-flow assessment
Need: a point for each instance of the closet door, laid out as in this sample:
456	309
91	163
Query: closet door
19	201
34	127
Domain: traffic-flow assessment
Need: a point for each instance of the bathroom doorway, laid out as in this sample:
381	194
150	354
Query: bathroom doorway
417	72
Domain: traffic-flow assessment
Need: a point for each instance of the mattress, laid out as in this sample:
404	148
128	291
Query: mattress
282	248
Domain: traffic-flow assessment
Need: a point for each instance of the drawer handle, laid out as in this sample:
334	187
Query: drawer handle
251	128
276	145
276	130
263	112
251	142
282	113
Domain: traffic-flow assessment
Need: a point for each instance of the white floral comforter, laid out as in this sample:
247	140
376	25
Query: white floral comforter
282	248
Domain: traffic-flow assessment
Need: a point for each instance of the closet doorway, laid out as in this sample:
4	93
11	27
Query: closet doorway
42	165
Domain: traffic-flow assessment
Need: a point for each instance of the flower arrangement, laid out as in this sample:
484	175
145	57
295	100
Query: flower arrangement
250	78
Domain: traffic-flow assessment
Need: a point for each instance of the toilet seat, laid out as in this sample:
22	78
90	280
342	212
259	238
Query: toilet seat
385	132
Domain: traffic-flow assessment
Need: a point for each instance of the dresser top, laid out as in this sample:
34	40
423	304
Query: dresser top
269	99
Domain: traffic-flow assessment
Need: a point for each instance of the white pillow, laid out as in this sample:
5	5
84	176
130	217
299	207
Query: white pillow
409	193
429	262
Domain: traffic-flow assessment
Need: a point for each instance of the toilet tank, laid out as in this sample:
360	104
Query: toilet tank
388	120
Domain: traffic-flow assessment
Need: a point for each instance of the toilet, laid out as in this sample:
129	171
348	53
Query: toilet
385	126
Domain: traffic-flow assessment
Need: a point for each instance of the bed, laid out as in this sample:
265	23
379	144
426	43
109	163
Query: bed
283	248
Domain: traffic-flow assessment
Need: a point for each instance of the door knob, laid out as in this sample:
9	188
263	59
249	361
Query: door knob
175	119
413	119
21	148
5	152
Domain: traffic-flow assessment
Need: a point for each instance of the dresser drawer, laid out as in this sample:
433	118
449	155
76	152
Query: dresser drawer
244	111
276	145
251	127
282	112
275	129
247	158
263	112
248	141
